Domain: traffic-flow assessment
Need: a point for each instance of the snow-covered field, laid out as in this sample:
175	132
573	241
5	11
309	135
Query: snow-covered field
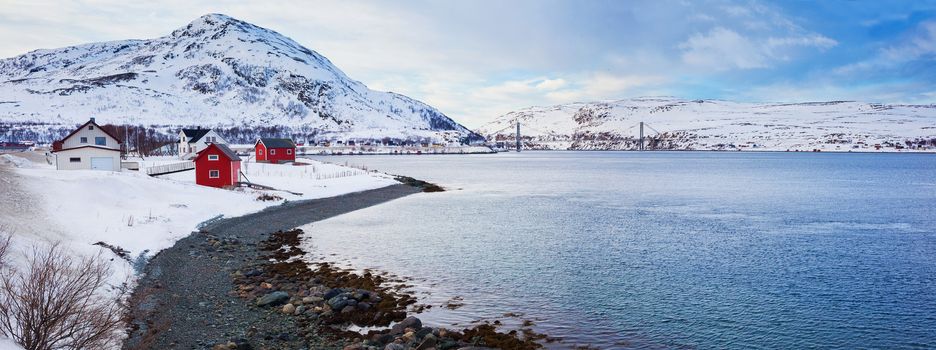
144	214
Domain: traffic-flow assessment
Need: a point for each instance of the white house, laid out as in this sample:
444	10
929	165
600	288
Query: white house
192	141
88	147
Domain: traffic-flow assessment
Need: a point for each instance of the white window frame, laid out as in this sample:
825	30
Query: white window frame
214	174
83	139
273	152
212	157
260	151
288	151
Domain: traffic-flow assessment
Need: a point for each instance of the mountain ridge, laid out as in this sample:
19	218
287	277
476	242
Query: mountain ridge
681	124
214	71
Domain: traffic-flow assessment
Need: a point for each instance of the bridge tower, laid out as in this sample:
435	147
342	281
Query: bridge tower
518	136
640	147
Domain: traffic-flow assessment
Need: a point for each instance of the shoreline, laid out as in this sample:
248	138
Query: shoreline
186	297
625	151
241	283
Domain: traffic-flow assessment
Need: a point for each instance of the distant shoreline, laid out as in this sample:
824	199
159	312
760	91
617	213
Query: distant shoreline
622	151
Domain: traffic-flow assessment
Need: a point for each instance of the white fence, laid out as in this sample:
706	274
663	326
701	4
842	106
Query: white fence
169	168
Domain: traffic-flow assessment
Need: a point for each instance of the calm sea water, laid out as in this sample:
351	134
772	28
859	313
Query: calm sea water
663	250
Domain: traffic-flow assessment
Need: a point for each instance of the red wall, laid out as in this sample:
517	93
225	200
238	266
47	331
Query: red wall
262	154
228	171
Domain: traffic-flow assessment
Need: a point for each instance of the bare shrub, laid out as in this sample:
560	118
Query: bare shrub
54	301
5	238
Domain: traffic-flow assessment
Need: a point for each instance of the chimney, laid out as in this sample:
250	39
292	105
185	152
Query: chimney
92	120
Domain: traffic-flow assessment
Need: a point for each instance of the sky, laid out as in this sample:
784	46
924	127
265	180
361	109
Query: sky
478	59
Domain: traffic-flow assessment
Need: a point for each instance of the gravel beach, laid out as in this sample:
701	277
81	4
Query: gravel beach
185	300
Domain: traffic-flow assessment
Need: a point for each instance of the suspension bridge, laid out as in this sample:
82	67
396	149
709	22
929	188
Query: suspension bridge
641	143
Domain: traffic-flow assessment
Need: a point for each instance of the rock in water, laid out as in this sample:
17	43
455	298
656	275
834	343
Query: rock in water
273	299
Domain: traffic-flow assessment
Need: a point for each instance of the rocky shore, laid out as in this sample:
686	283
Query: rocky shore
241	284
323	300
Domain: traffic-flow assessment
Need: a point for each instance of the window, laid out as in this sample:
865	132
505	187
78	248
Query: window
212	157
214	174
272	152
84	140
100	141
288	151
74	160
90	127
260	151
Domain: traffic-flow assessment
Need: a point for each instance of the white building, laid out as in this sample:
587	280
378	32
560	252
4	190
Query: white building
192	141
88	147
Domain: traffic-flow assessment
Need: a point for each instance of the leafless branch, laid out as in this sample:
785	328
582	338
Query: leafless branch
55	301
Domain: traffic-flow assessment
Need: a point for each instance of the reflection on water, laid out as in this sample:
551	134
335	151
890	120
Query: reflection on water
649	250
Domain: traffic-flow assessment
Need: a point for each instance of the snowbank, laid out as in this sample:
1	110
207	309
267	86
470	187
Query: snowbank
7	344
19	162
143	214
312	179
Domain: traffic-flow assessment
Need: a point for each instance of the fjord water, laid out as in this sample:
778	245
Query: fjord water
663	249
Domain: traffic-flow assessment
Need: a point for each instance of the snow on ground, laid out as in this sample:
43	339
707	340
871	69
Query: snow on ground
141	213
7	344
312	179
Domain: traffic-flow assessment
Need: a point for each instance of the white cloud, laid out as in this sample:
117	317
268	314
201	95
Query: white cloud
601	85
921	43
749	36
722	49
918	44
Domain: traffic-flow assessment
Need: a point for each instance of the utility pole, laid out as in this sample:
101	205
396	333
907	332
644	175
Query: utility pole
518	136
641	146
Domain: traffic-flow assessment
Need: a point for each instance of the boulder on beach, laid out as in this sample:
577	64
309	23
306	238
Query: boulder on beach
409	322
273	299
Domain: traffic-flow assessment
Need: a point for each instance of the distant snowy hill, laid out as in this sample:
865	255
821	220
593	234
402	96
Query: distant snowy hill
720	125
216	71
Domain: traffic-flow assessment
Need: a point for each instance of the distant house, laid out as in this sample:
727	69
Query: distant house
192	141
275	150
217	166
88	147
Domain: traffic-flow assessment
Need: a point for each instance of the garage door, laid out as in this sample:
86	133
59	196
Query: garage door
102	163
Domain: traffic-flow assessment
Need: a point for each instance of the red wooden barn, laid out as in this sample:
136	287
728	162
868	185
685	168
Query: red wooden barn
275	150
217	166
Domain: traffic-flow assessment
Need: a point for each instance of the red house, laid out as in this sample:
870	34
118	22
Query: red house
275	150
217	166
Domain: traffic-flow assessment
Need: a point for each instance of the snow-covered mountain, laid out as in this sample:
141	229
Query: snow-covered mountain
672	123
215	71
